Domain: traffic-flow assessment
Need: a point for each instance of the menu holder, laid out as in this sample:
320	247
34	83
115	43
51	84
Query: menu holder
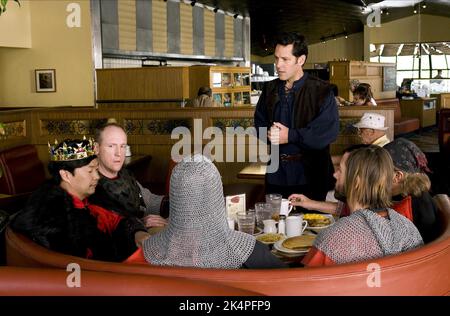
235	204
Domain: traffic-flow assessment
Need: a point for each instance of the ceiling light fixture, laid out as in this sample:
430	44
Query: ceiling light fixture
334	37
386	11
424	5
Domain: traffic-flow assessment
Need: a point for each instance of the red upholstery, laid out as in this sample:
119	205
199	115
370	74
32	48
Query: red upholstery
402	125
423	271
22	170
444	132
16	281
172	165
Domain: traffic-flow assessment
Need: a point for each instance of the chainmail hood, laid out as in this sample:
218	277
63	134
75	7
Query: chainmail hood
197	234
365	235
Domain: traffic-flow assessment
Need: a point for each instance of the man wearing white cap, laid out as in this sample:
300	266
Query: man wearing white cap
371	129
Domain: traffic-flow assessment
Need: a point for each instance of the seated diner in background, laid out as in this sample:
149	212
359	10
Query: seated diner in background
204	98
373	229
59	216
362	96
198	234
372	129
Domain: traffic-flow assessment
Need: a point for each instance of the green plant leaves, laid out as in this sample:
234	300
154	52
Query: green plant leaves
3	4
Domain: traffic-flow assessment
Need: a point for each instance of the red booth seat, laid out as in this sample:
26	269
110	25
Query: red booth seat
402	125
22	170
15	281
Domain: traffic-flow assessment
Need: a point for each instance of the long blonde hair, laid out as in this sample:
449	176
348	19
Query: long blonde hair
368	178
414	184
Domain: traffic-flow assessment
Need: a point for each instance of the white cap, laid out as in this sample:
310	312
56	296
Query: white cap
372	120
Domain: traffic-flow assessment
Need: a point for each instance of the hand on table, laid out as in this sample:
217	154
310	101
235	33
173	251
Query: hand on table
139	238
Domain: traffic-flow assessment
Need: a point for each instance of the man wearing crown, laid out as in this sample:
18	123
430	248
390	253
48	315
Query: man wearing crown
58	215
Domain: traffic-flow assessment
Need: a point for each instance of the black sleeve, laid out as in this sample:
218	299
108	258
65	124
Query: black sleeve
425	216
262	258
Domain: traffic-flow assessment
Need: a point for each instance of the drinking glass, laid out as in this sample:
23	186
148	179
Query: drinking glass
275	200
246	222
263	212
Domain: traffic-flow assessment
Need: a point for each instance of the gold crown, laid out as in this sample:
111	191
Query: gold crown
77	149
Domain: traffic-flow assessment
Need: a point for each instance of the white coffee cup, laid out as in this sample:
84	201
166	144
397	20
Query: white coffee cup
285	208
295	226
269	226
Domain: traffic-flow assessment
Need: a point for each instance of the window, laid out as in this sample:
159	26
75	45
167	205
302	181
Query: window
438	62
384	59
405	62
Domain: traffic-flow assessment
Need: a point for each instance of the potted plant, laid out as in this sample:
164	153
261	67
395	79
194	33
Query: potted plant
3	4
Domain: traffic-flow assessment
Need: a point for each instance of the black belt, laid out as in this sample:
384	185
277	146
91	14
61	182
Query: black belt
296	157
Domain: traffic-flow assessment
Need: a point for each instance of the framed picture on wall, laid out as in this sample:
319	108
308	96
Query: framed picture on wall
45	80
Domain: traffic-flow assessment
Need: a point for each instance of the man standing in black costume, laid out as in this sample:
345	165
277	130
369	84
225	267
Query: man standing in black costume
301	113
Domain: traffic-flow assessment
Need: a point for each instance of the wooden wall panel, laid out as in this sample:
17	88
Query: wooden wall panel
210	33
127	25
148	83
159	22
186	29
229	36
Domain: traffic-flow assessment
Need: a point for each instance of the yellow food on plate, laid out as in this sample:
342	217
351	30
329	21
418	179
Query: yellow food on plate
317	220
299	242
269	238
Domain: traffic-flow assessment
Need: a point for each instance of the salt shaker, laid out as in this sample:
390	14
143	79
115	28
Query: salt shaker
282	225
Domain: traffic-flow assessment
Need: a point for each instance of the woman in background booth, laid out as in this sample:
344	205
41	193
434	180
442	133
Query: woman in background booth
204	98
373	229
363	95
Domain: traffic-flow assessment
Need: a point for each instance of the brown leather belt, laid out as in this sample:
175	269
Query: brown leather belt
296	157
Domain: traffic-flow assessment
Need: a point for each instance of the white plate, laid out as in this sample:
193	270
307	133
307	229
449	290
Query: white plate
319	229
278	246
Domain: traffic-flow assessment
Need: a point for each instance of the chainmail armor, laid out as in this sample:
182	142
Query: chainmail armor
197	234
365	235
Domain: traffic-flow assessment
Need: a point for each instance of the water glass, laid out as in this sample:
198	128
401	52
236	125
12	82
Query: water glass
275	200
263	212
246	222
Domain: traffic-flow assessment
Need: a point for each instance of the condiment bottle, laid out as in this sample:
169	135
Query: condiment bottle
282	225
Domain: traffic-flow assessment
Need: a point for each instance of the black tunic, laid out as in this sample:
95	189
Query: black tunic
262	258
51	220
